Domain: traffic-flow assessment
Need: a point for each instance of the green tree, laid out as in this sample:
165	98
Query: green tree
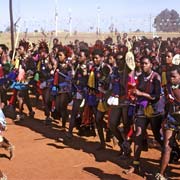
167	21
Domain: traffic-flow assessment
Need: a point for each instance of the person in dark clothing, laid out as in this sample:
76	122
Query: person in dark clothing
79	88
171	149
147	92
63	84
20	85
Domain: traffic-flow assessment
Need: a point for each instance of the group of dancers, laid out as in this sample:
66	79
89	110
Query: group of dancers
118	88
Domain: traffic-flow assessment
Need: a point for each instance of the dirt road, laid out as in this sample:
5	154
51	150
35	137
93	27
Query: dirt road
40	156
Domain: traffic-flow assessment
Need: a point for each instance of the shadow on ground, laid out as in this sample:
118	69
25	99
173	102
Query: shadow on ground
61	141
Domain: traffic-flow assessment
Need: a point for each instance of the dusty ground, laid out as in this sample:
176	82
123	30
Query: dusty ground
39	156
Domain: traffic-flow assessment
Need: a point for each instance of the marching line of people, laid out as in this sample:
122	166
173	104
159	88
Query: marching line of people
134	82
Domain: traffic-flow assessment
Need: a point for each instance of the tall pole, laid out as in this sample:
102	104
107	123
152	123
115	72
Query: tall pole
16	42
98	19
70	22
153	29
150	23
56	18
11	24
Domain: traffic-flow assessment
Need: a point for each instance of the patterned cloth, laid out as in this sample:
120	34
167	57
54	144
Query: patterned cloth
173	122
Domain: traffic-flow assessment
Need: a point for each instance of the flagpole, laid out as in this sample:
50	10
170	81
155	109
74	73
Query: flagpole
56	18
16	42
98	19
70	22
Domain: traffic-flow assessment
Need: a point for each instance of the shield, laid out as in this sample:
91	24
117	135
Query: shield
106	70
176	59
130	60
2	119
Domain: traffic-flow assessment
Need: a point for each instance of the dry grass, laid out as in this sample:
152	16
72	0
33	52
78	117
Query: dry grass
87	37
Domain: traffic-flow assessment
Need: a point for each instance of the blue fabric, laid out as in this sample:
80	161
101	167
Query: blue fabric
54	91
116	88
64	87
172	123
131	110
49	83
91	100
2	81
12	75
115	77
19	86
63	84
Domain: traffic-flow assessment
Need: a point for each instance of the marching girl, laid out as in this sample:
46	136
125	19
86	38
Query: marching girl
23	64
79	88
62	84
44	78
147	92
119	104
172	123
92	95
103	81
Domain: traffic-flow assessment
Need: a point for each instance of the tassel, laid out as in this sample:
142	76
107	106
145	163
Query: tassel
39	66
86	115
130	133
56	77
1	71
53	105
91	80
36	77
13	97
17	64
164	80
21	75
102	106
148	111
39	91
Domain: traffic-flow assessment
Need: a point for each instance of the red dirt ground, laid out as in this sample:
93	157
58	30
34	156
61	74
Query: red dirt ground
39	156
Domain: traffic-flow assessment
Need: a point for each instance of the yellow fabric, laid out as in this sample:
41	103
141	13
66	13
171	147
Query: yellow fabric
102	106
39	66
17	64
148	111
164	80
136	162
91	80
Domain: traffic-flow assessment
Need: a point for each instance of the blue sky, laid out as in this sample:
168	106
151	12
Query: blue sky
125	15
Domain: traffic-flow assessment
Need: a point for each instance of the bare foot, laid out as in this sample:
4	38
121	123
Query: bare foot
11	152
130	170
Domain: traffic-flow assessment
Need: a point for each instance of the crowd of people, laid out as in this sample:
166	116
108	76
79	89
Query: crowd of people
118	88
